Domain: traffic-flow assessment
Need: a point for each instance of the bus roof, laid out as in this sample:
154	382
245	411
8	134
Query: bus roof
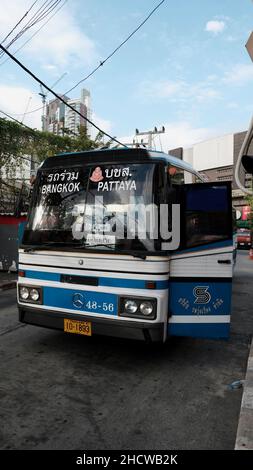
113	155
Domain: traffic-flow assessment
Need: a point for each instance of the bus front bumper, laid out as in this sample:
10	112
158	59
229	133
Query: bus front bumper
137	330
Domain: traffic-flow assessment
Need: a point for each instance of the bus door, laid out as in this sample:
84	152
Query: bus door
201	270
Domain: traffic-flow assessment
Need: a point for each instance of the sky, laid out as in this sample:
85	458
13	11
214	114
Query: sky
186	69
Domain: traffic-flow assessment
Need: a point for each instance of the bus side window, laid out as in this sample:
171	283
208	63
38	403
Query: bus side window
178	176
207	216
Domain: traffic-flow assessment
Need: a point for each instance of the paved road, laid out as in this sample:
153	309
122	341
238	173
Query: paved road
61	391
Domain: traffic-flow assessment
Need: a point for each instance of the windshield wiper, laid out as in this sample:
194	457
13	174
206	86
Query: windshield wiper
44	246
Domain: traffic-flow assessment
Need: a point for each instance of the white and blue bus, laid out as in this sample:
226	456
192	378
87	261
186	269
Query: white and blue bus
78	274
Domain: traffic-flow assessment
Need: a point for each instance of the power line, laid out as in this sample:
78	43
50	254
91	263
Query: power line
42	13
102	62
31	37
56	95
118	47
38	16
16	120
21	124
18	23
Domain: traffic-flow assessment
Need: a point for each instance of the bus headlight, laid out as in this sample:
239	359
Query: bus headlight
146	308
130	306
32	295
137	307
24	293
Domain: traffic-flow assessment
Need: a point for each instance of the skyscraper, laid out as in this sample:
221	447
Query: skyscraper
60	119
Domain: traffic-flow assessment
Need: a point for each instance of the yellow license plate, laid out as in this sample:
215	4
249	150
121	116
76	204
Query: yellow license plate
78	327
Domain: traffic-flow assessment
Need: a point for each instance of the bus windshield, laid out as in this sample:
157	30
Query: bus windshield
93	207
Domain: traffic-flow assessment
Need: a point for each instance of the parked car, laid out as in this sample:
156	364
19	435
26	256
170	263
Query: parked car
243	238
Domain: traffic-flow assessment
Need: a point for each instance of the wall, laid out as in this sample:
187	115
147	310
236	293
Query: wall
214	153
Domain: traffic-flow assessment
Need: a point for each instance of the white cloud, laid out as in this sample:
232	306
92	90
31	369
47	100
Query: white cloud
231	38
232	105
183	134
50	67
178	91
215	27
239	74
14	100
103	124
177	134
60	43
162	88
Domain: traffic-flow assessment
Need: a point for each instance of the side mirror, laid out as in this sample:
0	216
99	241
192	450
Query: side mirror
247	162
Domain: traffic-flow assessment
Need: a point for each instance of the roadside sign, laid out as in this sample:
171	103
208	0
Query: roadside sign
249	46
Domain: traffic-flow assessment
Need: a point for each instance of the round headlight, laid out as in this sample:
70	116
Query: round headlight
146	308
130	306
24	293
34	294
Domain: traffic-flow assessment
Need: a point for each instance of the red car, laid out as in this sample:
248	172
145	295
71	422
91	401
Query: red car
243	238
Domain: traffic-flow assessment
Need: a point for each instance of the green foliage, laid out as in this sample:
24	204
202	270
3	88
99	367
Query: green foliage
13	140
17	141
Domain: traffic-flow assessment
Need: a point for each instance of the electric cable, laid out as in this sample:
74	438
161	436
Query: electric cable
31	37
118	47
16	120
109	56
18	23
21	124
36	18
42	13
58	96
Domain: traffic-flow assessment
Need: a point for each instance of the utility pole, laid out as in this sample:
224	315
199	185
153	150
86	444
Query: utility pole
150	134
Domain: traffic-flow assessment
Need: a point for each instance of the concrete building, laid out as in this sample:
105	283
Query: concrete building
60	119
55	116
74	121
86	100
216	159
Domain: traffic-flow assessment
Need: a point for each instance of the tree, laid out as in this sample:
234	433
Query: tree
19	144
17	141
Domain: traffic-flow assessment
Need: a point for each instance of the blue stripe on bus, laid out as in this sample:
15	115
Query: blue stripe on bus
208	246
81	301
102	281
42	275
204	330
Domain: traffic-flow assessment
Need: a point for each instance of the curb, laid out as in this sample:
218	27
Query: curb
8	285
244	437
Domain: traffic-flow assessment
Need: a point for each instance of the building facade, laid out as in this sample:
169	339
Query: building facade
61	120
74	121
216	159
